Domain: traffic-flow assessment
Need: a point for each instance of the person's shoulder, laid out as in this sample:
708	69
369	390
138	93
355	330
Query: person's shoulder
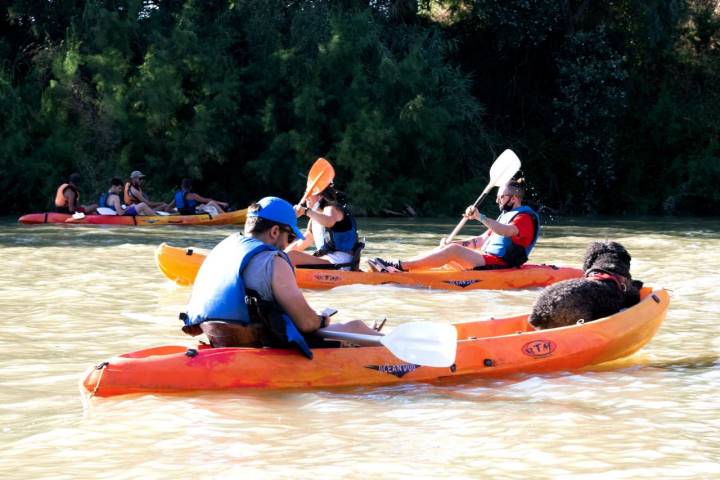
267	256
280	266
522	218
335	210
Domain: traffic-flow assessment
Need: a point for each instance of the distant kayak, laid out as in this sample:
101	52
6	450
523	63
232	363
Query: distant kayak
228	218
488	348
182	264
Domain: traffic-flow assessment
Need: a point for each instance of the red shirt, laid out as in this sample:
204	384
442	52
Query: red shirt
526	233
526	229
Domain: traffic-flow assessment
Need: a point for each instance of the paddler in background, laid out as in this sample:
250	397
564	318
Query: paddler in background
133	193
67	197
188	202
111	200
331	226
507	242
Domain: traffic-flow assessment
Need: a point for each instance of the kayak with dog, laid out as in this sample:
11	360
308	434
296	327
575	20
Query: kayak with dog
487	348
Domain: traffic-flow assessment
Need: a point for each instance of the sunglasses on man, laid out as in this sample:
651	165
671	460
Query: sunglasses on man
289	231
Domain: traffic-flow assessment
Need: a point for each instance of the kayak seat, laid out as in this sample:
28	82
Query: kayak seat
354	264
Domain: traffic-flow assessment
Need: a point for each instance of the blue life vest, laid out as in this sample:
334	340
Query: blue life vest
340	241
503	247
219	292
185	206
102	202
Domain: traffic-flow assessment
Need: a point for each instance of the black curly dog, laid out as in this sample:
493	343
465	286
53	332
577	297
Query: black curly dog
606	288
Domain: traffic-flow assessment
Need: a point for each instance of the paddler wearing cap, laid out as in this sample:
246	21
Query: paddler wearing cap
245	293
133	193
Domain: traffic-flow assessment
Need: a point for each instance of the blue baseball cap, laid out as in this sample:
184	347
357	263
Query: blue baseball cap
278	210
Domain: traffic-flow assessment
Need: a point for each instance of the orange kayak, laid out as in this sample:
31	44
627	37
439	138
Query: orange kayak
182	264
489	348
228	218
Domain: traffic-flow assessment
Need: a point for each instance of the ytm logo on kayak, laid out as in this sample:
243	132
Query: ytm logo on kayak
397	370
539	348
461	283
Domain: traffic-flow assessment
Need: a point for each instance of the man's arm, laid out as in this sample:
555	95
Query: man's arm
475	243
328	217
115	202
201	199
497	227
69	195
500	228
291	299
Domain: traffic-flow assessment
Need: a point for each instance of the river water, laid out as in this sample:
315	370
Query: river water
74	296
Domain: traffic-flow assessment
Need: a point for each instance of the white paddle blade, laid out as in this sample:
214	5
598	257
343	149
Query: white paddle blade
423	343
506	165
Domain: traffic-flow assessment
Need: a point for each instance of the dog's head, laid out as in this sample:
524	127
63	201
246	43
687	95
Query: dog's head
609	257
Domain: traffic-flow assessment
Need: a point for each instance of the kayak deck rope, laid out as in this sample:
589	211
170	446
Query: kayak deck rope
100	367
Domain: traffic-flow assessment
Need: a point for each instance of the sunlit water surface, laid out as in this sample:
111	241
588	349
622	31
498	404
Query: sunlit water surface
73	296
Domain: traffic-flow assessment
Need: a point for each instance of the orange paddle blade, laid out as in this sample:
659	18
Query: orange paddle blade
320	176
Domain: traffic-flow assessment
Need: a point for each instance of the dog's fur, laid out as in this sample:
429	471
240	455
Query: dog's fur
566	302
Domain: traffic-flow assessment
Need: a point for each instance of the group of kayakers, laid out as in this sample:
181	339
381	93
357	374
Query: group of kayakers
245	293
133	201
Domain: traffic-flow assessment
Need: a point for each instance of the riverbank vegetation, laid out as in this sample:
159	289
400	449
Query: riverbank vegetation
613	107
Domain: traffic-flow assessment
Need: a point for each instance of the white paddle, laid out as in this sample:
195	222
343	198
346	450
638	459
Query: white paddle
505	166
420	343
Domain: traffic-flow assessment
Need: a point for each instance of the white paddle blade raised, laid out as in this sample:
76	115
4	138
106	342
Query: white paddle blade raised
501	171
423	343
506	165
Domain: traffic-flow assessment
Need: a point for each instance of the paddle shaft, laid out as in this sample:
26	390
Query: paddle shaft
309	189
464	219
501	171
360	338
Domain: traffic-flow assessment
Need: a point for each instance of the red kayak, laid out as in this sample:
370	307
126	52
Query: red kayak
228	218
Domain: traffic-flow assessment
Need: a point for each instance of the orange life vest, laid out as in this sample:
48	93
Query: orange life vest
60	200
128	197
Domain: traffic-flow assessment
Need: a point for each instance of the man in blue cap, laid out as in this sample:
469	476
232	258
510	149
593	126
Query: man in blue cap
245	293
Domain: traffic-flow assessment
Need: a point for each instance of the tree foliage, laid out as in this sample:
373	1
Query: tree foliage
612	106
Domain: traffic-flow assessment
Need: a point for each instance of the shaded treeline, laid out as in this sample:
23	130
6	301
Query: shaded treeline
614	107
